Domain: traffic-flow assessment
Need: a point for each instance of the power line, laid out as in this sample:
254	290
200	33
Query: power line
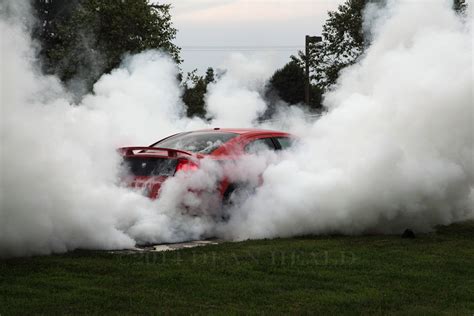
249	48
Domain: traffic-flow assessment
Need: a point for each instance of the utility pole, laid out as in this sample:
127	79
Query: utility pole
307	91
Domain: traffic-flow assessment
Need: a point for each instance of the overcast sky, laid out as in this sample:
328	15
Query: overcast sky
209	30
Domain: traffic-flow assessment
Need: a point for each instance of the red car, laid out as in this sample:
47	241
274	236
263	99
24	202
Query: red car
151	166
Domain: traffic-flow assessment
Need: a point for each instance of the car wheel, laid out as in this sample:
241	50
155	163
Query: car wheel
235	194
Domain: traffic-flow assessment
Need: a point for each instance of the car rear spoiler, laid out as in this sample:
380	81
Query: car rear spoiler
131	151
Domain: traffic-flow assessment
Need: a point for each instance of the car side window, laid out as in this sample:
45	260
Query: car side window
285	142
259	145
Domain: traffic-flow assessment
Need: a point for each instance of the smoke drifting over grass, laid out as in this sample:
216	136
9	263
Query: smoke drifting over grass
395	150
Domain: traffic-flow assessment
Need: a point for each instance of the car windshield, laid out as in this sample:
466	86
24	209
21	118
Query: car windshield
198	142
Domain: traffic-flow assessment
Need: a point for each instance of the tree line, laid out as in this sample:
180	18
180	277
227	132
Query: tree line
83	39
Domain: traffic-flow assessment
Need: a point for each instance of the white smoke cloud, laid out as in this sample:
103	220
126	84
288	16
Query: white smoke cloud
59	187
58	162
395	150
236	99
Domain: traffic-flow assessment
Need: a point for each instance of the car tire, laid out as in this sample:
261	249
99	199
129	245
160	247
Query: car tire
234	193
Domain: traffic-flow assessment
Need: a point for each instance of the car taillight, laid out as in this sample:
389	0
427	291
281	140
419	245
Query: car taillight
186	165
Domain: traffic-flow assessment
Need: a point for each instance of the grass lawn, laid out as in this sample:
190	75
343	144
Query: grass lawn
432	274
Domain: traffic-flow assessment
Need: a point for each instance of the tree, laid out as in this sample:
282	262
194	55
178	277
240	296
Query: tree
195	89
460	6
344	40
85	38
288	84
210	77
50	14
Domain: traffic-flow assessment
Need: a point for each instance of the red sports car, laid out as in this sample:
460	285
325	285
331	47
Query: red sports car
150	166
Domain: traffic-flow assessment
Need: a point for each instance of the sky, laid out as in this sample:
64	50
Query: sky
210	30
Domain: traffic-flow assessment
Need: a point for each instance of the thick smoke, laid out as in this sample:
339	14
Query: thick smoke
394	151
59	167
236	99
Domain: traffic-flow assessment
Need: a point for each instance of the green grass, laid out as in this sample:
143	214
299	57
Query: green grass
432	274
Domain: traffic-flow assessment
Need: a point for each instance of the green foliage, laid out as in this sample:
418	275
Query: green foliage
288	84
345	40
210	76
85	38
460	6
195	89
